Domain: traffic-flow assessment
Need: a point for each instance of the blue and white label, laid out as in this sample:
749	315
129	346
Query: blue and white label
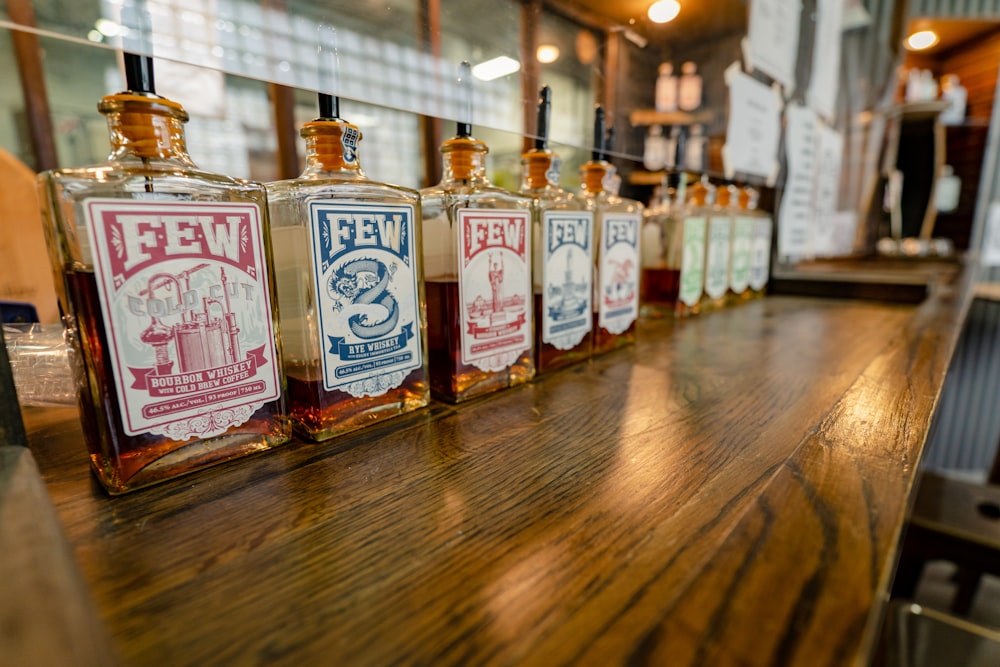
567	277
366	285
619	271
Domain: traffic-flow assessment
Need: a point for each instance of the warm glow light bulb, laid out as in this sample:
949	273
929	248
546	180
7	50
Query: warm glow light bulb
663	11
921	40
547	53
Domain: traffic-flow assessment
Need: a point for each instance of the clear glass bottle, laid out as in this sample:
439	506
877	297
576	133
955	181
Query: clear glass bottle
617	223
661	254
739	263
689	87
666	89
760	254
718	249
477	267
167	291
563	257
349	280
694	217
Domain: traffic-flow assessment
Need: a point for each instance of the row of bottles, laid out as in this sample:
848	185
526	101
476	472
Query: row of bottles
703	247
172	280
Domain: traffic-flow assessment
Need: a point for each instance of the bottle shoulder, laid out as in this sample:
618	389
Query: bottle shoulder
487	197
159	179
340	188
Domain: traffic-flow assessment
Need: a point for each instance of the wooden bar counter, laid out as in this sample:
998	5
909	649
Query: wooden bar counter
729	491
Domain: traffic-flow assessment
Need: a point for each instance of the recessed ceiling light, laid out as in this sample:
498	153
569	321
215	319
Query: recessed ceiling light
663	11
495	68
547	53
924	39
107	27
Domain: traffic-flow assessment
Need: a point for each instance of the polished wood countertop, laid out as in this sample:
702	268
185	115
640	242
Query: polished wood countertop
729	491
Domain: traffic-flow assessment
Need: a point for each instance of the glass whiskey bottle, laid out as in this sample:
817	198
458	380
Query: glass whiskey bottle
739	263
167	291
760	254
348	271
693	217
617	222
477	266
718	250
661	254
563	275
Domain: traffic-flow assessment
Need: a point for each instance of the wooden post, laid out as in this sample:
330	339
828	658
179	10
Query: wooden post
36	101
283	103
431	134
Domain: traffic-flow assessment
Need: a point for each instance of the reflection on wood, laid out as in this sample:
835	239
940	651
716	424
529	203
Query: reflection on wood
728	491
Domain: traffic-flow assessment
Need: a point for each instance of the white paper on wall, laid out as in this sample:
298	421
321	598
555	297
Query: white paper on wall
774	38
824	83
754	128
795	215
991	237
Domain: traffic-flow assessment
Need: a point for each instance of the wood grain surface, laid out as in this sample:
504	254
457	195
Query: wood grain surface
728	492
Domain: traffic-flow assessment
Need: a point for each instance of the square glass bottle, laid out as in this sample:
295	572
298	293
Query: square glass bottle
166	285
349	282
617	223
563	262
477	263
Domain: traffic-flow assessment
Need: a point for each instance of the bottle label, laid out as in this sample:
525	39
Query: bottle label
494	286
568	276
693	261
739	278
618	304
760	255
184	293
365	277
717	262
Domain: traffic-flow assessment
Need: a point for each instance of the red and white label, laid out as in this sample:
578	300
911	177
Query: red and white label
494	286
187	313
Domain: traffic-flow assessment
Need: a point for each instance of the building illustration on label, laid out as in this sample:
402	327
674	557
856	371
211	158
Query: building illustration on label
494	287
568	279
619	298
185	300
368	299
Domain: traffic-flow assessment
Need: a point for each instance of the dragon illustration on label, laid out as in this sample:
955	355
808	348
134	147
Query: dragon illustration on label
619	275
184	295
366	278
494	286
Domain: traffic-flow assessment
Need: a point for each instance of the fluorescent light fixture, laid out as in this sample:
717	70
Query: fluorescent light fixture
924	39
107	27
663	11
495	68
547	53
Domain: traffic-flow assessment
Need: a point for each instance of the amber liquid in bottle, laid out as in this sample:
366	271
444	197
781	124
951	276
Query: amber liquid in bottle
661	257
617	224
477	262
167	290
348	268
562	267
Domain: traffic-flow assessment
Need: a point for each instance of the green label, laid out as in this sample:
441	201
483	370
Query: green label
693	263
739	278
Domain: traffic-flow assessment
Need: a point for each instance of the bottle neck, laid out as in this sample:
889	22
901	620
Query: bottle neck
539	169
146	127
464	160
332	148
592	175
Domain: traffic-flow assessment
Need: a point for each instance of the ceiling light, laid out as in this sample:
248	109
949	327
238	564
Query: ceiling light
921	40
663	11
495	68
95	36
547	53
107	27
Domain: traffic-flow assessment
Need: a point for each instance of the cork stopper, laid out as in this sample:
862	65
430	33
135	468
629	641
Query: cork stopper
724	196
147	125
699	194
465	156
332	145
743	199
593	175
537	164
